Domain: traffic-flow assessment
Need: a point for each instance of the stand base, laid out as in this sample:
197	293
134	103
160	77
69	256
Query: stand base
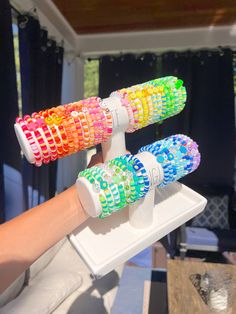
104	244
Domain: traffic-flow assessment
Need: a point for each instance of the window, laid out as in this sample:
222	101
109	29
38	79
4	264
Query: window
91	81
17	62
91	78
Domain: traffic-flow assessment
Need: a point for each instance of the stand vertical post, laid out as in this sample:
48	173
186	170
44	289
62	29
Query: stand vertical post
140	213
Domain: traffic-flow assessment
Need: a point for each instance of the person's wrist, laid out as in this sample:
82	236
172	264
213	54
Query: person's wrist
76	209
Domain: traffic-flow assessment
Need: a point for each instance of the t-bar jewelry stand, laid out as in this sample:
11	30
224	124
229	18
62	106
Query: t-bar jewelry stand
104	244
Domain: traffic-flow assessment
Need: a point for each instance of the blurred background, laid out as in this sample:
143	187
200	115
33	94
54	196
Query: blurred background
56	52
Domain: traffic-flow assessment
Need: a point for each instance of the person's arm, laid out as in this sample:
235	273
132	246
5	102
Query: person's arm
26	237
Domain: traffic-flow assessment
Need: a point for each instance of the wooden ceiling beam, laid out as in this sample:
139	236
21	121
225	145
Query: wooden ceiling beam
88	17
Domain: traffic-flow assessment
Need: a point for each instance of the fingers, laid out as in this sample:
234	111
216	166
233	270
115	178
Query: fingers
95	159
98	159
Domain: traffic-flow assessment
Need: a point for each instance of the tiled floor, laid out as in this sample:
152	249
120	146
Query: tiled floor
130	295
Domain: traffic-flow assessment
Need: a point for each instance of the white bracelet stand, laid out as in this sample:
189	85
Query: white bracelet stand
103	244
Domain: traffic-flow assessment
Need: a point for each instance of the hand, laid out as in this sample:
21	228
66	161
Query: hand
98	159
95	159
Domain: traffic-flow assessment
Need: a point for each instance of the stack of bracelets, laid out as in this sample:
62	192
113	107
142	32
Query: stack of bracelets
63	130
118	182
178	156
152	101
124	180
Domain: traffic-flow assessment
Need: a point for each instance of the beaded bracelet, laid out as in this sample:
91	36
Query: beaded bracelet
101	187
108	124
90	108
121	186
53	123
98	126
145	106
66	136
78	131
67	123
85	129
43	146
141	173
96	187
31	141
110	173
124	185
71	128
40	123
117	179
114	184
77	114
90	126
157	106
101	177
87	111
96	120
139	107
135	185
152	101
141	111
125	102
128	180
64	139
58	140
59	130
147	111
